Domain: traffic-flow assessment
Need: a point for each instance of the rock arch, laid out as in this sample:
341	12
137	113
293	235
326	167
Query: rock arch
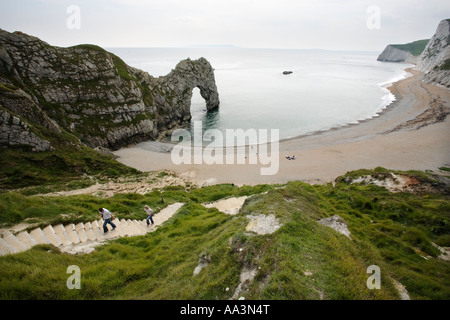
92	94
174	93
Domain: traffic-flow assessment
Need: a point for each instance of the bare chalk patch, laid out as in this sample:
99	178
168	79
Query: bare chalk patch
337	223
228	206
203	261
404	295
246	278
262	224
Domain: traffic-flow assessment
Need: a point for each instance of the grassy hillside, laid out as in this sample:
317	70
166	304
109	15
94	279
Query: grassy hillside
64	168
416	48
301	260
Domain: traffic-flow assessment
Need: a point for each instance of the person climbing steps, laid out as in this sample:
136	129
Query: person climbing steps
150	214
107	216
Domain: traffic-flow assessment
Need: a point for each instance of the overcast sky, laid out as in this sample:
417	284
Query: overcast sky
292	24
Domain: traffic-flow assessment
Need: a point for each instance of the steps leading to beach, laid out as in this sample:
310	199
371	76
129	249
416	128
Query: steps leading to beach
82	237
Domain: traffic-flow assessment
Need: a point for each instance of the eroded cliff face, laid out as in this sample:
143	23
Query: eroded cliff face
435	59
173	93
92	94
393	54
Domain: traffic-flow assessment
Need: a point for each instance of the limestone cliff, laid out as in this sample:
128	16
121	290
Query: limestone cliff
435	59
173	92
91	94
394	54
430	56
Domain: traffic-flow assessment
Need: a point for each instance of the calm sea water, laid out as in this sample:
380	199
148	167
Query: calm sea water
327	89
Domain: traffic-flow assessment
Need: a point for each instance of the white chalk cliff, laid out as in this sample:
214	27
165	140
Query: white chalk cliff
394	54
435	59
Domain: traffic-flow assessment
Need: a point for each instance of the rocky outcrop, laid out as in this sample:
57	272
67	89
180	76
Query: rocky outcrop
435	59
14	132
337	223
393	54
173	92
437	50
262	224
93	94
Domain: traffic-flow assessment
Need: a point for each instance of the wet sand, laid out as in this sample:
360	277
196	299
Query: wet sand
409	135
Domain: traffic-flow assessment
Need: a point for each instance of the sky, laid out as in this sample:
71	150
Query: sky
285	24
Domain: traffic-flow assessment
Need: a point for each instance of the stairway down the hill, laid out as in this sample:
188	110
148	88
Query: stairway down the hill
81	237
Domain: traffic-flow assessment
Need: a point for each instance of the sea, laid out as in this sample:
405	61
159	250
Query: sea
326	89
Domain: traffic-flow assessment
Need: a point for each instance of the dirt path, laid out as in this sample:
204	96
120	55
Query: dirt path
155	180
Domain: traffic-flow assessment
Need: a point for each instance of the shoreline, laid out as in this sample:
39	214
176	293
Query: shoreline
411	133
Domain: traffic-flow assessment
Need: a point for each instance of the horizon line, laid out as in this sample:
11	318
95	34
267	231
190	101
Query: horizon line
235	47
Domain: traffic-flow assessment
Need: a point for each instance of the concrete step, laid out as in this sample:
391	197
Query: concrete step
62	234
136	227
25	237
105	236
98	230
112	234
141	226
72	233
81	232
52	236
143	223
39	236
89	231
119	228
6	248
14	242
132	227
126	228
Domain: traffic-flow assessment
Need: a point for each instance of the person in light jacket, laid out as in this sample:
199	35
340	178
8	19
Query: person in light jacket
149	214
106	215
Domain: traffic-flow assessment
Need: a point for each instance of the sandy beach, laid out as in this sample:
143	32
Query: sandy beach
413	133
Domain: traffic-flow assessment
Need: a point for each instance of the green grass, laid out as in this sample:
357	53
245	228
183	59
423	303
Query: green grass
122	68
63	166
90	47
392	231
415	48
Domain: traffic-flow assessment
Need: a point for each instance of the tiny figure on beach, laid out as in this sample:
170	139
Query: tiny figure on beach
149	214
291	158
107	216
